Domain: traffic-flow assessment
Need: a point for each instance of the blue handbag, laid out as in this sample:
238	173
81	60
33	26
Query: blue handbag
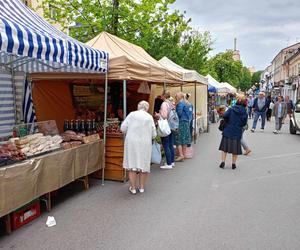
156	153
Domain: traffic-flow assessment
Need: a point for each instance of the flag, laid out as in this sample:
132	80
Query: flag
28	109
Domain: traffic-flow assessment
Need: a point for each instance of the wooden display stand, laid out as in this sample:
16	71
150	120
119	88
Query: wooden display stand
114	151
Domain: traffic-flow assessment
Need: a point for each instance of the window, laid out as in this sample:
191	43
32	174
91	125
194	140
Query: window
26	2
53	12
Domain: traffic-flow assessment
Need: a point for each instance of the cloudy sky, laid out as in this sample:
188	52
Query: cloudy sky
262	27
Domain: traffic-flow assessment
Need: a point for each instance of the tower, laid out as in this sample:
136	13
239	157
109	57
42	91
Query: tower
236	52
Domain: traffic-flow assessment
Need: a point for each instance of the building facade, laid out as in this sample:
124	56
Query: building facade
36	6
292	76
284	72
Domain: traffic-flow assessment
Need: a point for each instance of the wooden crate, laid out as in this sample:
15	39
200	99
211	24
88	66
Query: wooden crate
114	151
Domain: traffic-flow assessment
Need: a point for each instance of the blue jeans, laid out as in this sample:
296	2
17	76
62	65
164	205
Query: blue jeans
263	119
250	114
168	144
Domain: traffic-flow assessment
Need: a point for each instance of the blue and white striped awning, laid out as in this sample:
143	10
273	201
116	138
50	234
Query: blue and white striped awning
24	33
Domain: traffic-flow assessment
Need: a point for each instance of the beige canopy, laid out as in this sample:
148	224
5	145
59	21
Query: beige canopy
131	62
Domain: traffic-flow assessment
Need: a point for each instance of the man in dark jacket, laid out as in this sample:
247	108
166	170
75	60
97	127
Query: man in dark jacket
260	107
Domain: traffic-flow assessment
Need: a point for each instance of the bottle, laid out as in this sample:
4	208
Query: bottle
71	127
76	127
66	125
94	129
82	127
88	127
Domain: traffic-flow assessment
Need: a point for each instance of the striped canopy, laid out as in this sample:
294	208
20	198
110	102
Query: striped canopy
24	33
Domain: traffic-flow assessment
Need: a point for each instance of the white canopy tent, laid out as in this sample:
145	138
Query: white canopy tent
188	75
195	84
229	88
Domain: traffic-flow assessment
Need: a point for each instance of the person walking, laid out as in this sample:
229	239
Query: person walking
250	102
168	141
183	137
280	112
269	110
260	106
140	129
235	118
290	106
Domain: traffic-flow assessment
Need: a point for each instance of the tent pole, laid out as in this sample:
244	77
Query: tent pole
181	87
14	88
207	117
165	86
195	114
124	115
124	99
104	126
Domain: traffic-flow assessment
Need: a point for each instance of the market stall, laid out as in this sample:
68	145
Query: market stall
133	75
36	158
196	85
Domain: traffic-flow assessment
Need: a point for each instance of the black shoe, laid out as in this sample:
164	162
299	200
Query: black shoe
233	166
222	165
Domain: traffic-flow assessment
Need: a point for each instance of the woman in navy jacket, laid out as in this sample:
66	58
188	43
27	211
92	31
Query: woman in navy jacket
236	118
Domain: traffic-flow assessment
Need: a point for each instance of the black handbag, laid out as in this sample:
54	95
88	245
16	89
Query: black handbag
222	124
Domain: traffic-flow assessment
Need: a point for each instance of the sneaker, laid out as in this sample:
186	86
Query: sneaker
275	131
141	190
166	167
132	191
262	129
252	130
173	164
233	166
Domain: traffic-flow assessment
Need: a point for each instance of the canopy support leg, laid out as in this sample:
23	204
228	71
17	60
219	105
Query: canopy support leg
104	126
124	115
195	114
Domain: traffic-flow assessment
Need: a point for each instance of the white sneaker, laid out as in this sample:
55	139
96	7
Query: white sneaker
275	131
166	167
173	164
141	190
262	130
131	190
252	130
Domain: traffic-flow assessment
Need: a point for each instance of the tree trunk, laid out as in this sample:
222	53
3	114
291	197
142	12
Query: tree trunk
115	17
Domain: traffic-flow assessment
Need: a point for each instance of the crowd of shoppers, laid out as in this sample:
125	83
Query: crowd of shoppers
140	130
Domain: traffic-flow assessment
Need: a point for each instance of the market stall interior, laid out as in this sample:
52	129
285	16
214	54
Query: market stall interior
33	161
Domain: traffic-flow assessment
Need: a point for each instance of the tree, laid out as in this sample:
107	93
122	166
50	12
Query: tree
148	23
245	81
256	77
225	68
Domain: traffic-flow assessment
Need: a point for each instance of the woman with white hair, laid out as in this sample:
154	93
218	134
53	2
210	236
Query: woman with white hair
140	129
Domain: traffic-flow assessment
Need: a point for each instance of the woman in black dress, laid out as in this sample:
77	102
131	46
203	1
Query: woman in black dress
236	118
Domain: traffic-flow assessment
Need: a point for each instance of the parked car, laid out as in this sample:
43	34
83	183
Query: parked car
295	120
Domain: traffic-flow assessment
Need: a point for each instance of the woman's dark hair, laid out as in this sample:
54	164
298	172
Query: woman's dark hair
187	96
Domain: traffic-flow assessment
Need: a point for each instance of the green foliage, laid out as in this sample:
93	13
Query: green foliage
148	23
225	69
256	77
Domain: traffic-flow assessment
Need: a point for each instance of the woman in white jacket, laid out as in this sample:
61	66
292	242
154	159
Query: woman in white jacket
140	129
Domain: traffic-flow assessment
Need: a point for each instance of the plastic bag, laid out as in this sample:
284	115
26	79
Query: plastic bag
163	129
156	153
189	153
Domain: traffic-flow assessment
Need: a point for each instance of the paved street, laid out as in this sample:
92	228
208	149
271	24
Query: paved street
195	206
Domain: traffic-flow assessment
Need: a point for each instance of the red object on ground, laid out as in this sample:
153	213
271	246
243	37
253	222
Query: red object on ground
25	214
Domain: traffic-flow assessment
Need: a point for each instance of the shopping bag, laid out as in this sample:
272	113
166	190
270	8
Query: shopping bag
189	153
163	129
156	153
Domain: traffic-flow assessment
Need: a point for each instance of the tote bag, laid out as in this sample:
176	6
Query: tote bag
163	129
156	153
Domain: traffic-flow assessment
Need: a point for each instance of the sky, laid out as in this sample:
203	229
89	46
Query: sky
262	27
